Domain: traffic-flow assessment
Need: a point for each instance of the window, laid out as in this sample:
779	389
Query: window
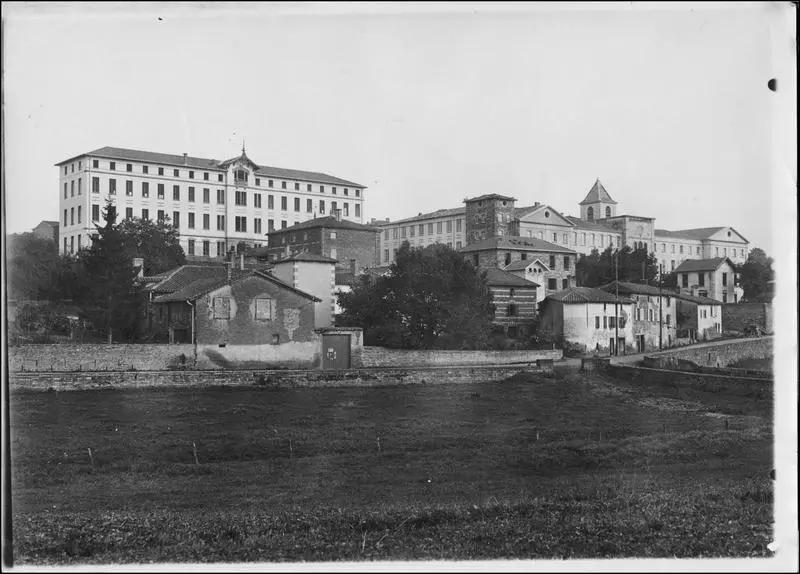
333	206
205	176
176	173
240	224
685	279
270	202
605	322
191	246
358	193
590	214
724	280
322	208
220	197
283	202
264	309
555	237
191	220
145	214
333	253
698	250
283	185
206	221
669	319
145	169
161	171
220	223
333	235
309	205
596	322
552	285
411	230
438	227
129	188
680	248
191	175
95	163
612	322
672	264
95	213
65	191
386	255
512	310
270	224
146	189
296	186
176	219
206	248
672	248
219	177
566	262
128	213
191	194
72	188
701	279
241	198
430	229
608	212
297	204
79	214
552	262
257	200
403	232
458	245
565	238
220	248
222	308
206	195
283	224
257	225
564	283
346	208
112	165
72	239
95	185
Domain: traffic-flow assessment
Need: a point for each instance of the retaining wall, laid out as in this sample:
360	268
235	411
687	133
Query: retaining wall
383	357
74	381
708	380
715	354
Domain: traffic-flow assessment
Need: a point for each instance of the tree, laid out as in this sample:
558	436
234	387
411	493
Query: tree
634	265
33	263
431	298
156	242
756	276
110	298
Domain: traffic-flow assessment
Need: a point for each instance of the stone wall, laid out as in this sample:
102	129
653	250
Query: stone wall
383	357
709	381
716	354
260	378
97	357
737	316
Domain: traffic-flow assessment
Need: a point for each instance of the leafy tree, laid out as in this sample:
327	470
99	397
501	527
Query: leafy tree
756	276
110	297
154	241
635	265
432	298
33	265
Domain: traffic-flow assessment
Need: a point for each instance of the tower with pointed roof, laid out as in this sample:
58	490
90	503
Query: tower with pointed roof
598	204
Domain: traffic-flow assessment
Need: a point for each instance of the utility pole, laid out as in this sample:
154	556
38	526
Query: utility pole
660	328
616	304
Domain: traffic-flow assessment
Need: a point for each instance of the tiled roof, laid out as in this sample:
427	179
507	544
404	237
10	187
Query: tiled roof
180	277
308	257
696	299
520	265
422	216
377	271
702	264
596	194
201	286
499	277
518	243
586	295
490	196
698	233
328	222
636	288
209	164
591	225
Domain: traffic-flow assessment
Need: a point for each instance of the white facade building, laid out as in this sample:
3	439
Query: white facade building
214	204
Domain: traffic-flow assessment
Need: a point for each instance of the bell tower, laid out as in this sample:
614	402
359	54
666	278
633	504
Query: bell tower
598	204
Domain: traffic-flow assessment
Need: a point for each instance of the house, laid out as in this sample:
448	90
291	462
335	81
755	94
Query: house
214	204
699	318
47	230
315	274
591	319
351	245
654	314
530	269
514	301
715	278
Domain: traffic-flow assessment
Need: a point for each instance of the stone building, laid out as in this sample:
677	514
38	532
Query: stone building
699	318
515	302
590	319
47	230
714	278
214	204
654	314
352	245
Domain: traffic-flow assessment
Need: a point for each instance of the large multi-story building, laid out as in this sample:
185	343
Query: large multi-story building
598	227
214	204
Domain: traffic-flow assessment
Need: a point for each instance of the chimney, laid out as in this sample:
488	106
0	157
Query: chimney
536	204
387	220
138	263
185	162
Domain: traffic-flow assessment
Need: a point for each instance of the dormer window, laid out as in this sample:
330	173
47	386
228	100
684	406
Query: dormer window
240	177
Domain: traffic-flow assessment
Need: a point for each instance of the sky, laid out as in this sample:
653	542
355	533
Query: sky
424	105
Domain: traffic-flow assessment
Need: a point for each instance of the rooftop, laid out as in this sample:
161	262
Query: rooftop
501	278
490	196
422	216
520	265
591	225
201	286
307	257
702	264
636	288
586	295
597	194
328	222
517	243
209	164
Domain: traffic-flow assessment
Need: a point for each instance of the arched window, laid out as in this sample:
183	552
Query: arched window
508	258
240	176
608	212
590	214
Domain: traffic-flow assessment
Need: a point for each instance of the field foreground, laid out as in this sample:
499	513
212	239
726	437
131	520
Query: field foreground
533	467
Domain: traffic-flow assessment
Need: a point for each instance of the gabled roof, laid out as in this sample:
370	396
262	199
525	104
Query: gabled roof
698	233
586	295
423	216
517	243
184	275
201	287
521	265
500	278
209	164
628	288
591	225
490	196
712	264
306	257
328	222
597	194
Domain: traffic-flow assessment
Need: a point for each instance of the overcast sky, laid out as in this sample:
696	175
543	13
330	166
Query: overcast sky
669	107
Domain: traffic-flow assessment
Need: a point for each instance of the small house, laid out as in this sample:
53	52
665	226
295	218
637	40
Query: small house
654	314
514	301
699	318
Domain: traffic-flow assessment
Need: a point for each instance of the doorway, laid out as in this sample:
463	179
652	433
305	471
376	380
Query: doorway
335	352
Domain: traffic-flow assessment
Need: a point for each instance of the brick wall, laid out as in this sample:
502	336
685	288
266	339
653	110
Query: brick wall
261	378
718	354
383	357
360	245
737	316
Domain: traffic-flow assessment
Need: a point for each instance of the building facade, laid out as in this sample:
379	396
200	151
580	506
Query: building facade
714	278
699	318
214	204
444	226
654	314
314	274
515	302
47	230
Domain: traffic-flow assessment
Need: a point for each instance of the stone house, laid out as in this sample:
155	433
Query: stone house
514	300
654	314
591	319
699	318
714	278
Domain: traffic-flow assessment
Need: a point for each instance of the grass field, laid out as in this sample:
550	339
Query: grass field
533	467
